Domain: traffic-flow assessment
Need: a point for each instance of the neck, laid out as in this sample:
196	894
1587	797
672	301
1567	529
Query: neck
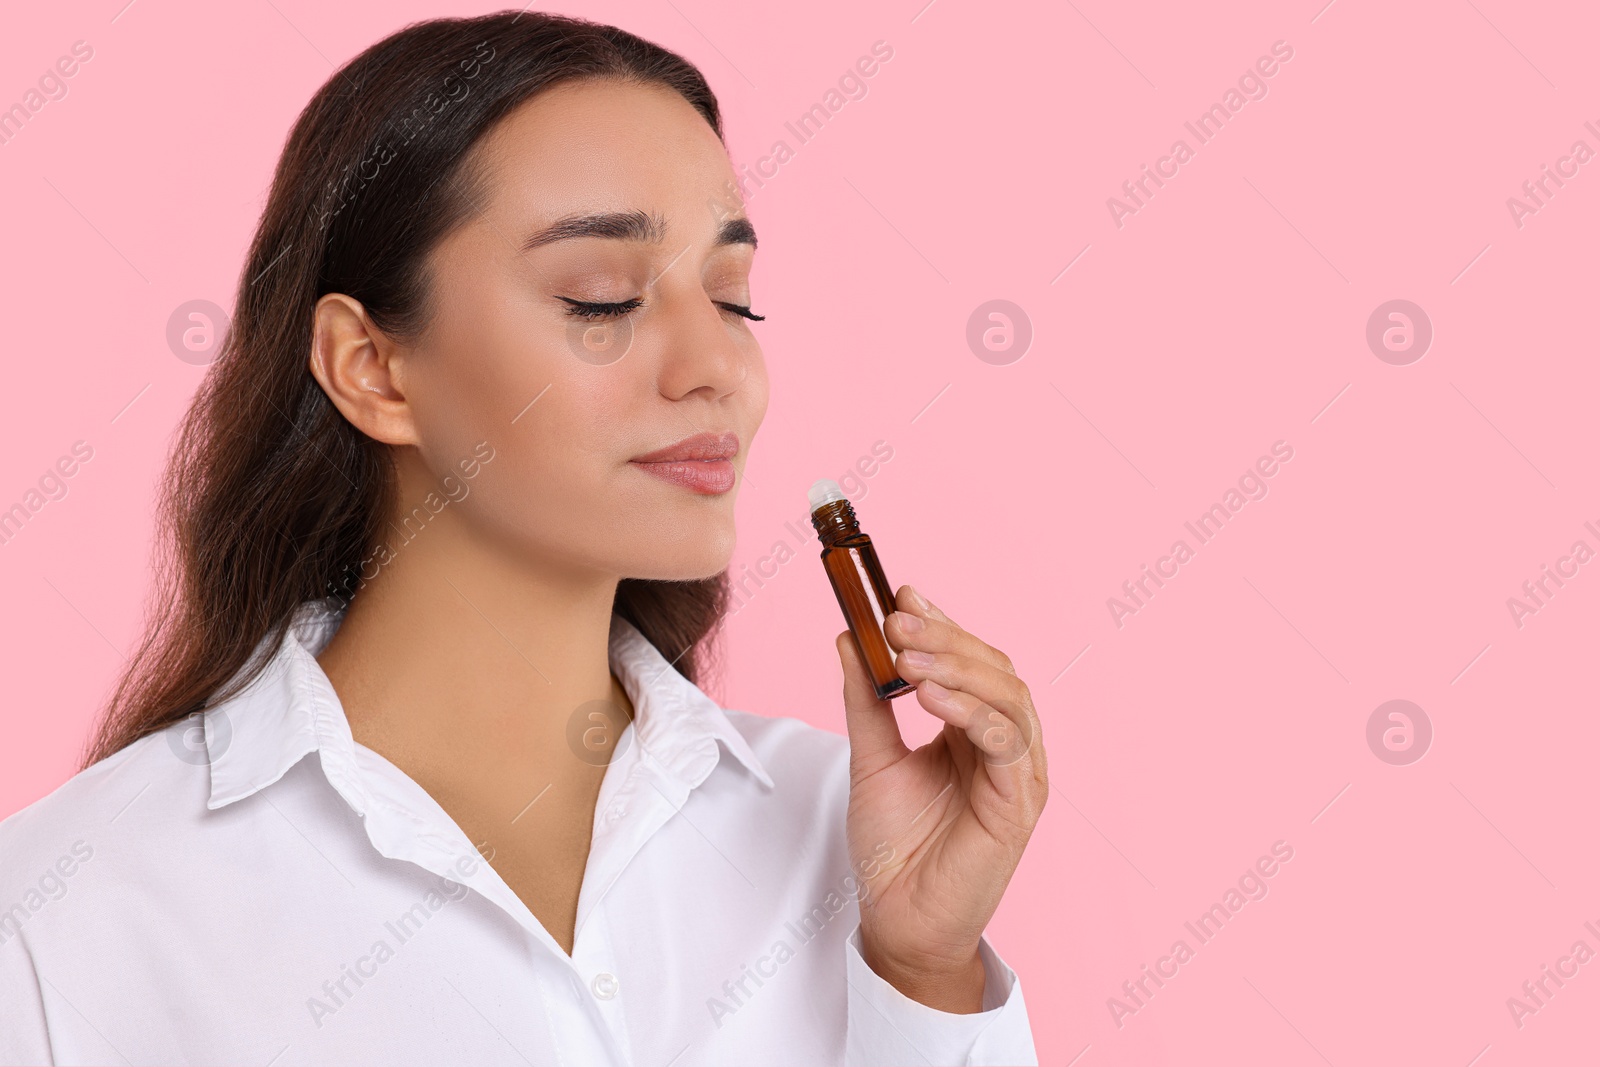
457	660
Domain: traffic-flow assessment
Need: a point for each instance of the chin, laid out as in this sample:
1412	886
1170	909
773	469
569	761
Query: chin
701	558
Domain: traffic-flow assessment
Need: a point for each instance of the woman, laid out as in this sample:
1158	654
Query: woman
452	512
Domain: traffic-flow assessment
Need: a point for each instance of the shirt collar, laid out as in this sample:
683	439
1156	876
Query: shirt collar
291	709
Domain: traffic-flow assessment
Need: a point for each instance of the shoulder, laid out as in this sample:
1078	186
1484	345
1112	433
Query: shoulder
810	771
96	811
792	746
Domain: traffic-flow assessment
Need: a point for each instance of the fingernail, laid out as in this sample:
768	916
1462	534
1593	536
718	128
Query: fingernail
918	599
934	689
910	623
918	658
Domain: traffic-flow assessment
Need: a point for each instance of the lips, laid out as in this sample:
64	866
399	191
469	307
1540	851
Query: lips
702	464
701	446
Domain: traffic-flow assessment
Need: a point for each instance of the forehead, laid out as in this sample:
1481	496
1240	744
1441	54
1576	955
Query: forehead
606	145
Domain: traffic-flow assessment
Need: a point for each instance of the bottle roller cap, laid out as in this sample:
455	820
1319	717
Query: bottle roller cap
824	491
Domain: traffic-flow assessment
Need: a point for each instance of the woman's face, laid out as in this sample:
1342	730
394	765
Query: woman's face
598	193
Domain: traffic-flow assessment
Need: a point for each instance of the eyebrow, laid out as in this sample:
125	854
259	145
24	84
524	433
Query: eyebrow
632	226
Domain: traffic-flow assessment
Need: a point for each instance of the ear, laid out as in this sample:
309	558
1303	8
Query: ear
361	370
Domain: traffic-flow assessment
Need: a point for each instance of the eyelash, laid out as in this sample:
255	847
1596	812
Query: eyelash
586	310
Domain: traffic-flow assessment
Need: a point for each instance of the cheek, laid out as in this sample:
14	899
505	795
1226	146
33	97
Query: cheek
483	365
550	487
495	368
560	430
487	354
577	432
759	390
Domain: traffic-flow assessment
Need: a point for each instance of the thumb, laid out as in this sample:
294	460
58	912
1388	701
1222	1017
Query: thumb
875	740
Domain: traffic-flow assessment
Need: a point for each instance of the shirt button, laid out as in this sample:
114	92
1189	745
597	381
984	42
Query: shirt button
616	811
604	985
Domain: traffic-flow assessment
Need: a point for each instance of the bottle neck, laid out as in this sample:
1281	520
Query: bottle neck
834	521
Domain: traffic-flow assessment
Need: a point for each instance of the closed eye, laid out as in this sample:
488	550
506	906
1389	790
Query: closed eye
740	309
615	309
589	310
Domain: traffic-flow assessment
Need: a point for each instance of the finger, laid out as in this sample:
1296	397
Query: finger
1007	786
912	629
939	634
923	605
1010	760
995	732
875	740
962	754
969	674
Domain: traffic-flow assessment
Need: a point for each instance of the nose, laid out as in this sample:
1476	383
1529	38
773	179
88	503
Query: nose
700	354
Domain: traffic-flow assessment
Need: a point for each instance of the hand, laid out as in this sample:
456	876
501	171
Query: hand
935	834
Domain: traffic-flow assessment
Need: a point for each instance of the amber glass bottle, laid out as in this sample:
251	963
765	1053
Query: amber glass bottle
858	581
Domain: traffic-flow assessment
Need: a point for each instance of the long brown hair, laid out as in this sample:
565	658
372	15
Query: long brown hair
271	497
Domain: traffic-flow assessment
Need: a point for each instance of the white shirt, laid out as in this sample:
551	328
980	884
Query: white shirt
235	902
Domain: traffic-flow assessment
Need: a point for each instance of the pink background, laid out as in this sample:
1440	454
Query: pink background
1224	316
